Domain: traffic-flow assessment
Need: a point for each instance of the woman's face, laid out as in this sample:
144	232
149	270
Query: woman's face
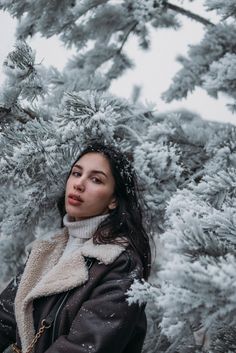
90	187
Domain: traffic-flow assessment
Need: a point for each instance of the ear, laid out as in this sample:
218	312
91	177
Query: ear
113	204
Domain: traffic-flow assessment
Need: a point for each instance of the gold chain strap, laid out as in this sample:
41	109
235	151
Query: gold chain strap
15	348
40	332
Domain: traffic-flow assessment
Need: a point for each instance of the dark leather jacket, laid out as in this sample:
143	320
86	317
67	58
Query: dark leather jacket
95	317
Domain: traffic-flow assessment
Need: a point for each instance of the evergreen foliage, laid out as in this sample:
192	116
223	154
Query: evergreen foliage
186	165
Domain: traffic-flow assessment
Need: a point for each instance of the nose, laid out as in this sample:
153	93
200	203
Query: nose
79	185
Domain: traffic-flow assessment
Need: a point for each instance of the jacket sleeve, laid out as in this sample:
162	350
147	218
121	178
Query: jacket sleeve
105	322
7	316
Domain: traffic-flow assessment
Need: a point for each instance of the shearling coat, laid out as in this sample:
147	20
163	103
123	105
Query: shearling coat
95	317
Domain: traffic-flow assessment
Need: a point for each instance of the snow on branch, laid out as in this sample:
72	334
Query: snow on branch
24	83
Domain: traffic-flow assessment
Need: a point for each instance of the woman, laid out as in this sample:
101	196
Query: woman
72	296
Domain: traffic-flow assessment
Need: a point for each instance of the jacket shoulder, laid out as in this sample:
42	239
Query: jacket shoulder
128	265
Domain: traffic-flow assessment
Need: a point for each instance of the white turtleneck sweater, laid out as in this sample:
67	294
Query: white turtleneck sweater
80	231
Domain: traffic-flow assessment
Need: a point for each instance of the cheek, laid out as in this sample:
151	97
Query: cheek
102	194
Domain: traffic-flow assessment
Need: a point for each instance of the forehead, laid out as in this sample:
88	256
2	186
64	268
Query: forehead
94	160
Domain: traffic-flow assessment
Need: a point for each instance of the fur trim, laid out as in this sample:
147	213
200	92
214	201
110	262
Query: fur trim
106	253
44	278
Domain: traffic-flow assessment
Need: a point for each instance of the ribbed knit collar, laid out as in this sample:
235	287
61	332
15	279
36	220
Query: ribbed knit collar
83	229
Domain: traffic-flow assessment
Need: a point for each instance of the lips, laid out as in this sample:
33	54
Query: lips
74	200
75	197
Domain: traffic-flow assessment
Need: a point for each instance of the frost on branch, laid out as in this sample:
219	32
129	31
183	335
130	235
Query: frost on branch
20	68
142	292
91	115
218	41
23	83
218	189
98	29
160	172
224	8
221	77
197	272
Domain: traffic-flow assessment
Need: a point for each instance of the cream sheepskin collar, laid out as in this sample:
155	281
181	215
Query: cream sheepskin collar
44	278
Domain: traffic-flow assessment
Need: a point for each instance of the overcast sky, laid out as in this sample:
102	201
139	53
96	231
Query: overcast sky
153	70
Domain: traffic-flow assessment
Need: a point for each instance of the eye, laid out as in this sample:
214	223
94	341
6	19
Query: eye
76	173
96	180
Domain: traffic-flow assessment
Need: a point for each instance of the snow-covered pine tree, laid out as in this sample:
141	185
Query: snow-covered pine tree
192	297
210	64
187	165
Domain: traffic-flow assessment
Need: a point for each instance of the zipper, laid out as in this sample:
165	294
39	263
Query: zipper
89	262
58	310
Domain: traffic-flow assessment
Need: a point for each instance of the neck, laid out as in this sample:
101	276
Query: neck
85	228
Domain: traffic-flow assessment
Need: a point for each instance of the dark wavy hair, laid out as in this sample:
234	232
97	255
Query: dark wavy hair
126	220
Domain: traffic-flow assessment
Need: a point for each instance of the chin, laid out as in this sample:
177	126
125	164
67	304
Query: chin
75	215
78	216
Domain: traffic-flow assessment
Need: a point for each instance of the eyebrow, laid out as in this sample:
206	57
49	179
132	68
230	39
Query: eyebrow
94	171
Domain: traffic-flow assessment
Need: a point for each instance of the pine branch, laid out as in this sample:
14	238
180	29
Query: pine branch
130	30
189	14
30	113
131	132
82	13
198	174
119	50
4	112
92	6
